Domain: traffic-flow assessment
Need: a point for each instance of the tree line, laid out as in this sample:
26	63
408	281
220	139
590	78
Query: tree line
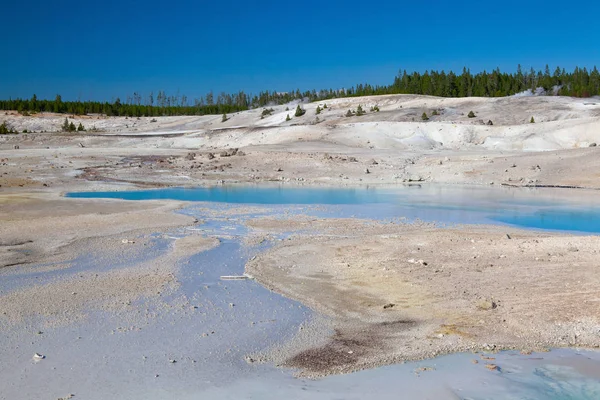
580	82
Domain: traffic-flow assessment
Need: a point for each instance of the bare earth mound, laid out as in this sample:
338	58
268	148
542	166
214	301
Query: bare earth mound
407	292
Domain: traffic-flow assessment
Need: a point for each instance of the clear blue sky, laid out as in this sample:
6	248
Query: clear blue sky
105	49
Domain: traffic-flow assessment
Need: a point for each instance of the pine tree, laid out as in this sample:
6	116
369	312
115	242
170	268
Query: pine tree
65	125
325	105
471	114
72	127
287	118
532	121
80	128
349	113
424	117
299	111
224	117
359	111
318	110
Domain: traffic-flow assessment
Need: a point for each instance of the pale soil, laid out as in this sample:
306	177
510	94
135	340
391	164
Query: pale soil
68	300
391	147
402	292
450	148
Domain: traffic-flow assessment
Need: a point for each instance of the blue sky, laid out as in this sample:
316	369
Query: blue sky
107	49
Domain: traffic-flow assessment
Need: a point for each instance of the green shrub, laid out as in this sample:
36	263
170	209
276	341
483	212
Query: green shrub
349	113
360	111
318	110
424	117
80	128
266	112
299	111
435	112
471	114
288	118
532	121
224	118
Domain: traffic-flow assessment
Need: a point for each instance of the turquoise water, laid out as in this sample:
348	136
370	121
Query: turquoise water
249	195
547	209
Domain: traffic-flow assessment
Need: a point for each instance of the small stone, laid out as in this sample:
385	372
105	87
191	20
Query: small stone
491	367
593	144
389	305
486	305
38	356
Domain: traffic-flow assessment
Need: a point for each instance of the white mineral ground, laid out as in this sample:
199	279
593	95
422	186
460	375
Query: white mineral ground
445	289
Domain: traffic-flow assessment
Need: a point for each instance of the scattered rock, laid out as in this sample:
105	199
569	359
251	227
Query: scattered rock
491	367
190	156
81	144
16	147
210	156
486	305
241	153
593	144
373	162
127	241
389	305
490	123
38	356
508	236
249	359
172	361
367	171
